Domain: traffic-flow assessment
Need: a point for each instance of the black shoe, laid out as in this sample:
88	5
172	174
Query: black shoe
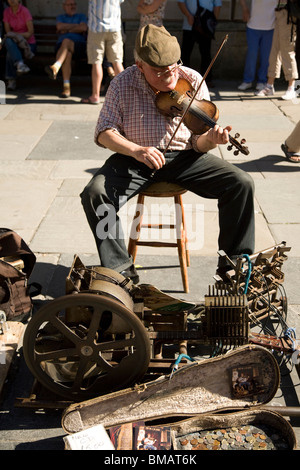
131	273
222	273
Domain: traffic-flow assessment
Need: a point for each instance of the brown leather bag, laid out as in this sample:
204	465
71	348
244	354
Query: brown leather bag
16	264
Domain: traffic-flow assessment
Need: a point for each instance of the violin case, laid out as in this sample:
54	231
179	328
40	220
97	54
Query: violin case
198	395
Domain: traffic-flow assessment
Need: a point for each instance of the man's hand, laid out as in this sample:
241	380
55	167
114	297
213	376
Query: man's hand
219	135
150	156
213	137
114	141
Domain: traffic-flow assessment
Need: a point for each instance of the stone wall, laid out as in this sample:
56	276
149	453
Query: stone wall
229	64
48	9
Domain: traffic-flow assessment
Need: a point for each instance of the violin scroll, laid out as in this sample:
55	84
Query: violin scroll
239	146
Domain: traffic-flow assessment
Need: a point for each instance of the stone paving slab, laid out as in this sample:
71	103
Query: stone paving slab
278	204
50	111
67	142
70	169
232	105
269	126
290	234
23	127
19	170
27	202
63	229
18	140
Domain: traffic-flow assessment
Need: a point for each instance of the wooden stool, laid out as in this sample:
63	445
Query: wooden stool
163	190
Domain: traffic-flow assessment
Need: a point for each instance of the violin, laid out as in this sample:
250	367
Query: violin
198	115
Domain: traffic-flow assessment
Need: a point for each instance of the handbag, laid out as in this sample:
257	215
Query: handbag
205	22
16	264
294	9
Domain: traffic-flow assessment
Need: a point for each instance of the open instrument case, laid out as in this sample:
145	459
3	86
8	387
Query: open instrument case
201	395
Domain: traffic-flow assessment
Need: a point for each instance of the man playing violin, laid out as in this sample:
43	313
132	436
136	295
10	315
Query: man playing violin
138	133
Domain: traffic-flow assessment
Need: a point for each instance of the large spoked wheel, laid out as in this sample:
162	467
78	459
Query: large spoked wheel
84	345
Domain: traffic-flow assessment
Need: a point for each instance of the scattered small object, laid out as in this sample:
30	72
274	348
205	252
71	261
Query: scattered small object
246	437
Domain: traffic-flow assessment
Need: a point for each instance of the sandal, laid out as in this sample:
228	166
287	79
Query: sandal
289	155
89	101
49	69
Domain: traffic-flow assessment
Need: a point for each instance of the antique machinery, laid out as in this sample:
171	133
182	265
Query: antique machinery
89	341
106	334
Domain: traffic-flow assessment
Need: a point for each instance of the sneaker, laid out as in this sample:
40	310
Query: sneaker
11	84
289	95
260	86
224	274
22	68
245	86
267	91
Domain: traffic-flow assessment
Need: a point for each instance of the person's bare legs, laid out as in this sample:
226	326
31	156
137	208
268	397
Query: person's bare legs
66	70
118	67
97	75
66	49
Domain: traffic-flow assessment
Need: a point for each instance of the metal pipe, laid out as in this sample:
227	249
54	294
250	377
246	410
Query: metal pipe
284	410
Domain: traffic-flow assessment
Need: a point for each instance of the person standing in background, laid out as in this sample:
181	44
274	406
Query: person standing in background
104	39
190	37
297	48
260	29
282	54
151	11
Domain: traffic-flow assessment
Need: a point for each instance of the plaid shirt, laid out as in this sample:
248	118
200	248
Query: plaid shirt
130	109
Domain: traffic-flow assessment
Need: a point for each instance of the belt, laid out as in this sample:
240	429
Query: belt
281	8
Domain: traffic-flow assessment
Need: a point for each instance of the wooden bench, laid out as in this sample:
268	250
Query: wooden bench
46	38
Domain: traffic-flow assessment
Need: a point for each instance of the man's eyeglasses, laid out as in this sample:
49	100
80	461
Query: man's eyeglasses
175	67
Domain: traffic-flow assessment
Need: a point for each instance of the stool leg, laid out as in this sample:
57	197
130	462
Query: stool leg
136	228
185	232
181	242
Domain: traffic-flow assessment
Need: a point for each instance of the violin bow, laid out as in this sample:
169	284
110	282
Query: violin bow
196	92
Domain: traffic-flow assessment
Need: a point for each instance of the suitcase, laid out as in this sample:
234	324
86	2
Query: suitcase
241	381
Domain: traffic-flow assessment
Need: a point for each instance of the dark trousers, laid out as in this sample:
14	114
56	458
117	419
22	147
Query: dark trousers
206	175
189	39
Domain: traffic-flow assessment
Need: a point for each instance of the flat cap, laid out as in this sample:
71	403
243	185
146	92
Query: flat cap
156	46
